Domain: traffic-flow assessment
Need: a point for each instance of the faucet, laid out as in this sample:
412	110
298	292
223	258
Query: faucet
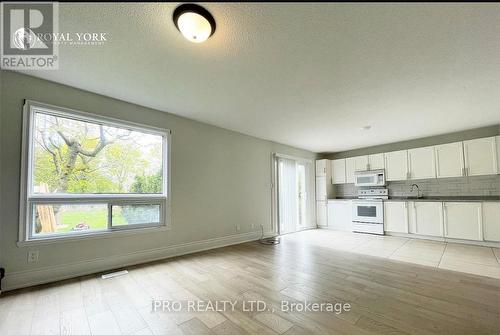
418	189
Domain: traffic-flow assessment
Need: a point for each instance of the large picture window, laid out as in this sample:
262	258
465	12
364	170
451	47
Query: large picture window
84	174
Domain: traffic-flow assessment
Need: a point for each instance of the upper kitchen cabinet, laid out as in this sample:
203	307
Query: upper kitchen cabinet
497	139
396	165
421	163
353	164
449	160
321	167
480	156
338	171
376	162
463	220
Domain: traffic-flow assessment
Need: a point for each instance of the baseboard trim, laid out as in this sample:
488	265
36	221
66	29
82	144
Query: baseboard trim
446	239
27	278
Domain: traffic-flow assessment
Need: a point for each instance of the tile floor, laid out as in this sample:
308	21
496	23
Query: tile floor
478	260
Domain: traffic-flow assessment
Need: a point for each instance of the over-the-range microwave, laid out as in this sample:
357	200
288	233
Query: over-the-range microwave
369	178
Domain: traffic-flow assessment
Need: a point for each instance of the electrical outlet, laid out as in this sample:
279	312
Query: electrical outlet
252	225
33	256
238	227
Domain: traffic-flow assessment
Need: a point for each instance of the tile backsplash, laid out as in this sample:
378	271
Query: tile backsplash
466	186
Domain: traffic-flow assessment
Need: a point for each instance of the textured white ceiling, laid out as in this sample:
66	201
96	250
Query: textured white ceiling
307	75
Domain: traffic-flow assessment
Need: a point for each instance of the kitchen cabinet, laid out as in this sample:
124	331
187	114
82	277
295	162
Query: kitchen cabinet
321	213
491	221
396	216
421	163
324	187
340	215
338	171
321	167
396	165
353	164
463	220
376	162
480	156
321	189
426	218
449	160
497	140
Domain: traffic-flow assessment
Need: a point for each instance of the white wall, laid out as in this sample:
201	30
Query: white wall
219	178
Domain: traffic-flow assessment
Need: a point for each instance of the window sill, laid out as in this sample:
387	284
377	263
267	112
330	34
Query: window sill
94	235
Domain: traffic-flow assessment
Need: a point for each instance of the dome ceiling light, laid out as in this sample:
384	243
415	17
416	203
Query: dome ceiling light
194	22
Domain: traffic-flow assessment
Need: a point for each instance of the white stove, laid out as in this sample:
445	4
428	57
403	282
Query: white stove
368	211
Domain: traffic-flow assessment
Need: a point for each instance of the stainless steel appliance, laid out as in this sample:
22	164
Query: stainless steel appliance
368	211
374	178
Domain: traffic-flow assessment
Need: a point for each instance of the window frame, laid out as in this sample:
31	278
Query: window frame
29	199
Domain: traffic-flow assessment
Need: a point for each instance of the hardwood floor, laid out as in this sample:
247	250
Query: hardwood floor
385	296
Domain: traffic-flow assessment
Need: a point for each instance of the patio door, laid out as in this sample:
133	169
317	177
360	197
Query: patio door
294	188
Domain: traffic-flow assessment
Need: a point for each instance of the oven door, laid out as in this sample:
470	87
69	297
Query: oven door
370	211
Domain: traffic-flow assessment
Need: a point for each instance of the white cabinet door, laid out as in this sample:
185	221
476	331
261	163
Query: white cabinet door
376	162
340	215
338	171
491	221
449	160
396	216
463	220
396	165
321	213
421	163
481	156
426	218
321	167
354	164
497	140
321	192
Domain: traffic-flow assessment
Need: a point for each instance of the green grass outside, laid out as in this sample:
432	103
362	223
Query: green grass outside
96	219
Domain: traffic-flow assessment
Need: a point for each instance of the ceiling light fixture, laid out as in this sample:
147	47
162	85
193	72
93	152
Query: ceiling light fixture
194	22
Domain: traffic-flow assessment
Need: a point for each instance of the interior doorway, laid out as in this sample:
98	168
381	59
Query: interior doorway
295	194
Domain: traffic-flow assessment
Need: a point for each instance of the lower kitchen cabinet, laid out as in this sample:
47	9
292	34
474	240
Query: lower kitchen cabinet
426	218
491	221
321	213
396	216
462	220
340	215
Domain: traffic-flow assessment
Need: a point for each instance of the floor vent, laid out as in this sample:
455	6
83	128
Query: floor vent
114	274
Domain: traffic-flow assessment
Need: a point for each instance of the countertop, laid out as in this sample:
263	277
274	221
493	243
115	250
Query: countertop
435	198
